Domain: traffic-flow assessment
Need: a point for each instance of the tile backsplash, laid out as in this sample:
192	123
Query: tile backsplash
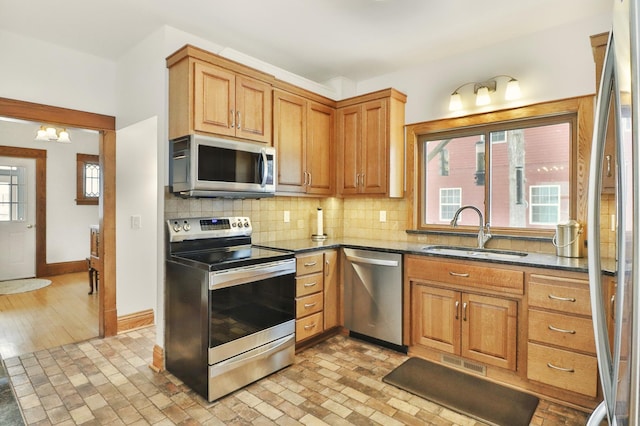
371	218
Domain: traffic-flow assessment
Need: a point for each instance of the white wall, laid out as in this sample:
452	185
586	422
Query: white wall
553	65
41	72
136	199
67	223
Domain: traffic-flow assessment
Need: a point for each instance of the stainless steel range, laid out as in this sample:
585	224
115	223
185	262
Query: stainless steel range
229	306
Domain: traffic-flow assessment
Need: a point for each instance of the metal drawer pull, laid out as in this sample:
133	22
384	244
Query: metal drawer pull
562	299
457	307
464	311
561	330
310	326
310	284
310	264
233	119
310	305
566	370
458	274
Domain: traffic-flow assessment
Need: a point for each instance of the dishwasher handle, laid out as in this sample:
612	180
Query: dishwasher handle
370	261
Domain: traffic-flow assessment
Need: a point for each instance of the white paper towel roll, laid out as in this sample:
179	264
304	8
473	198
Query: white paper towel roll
320	230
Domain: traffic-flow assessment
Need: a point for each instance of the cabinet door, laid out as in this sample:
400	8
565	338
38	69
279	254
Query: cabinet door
489	329
319	154
374	148
253	109
332	293
289	135
214	100
435	318
349	132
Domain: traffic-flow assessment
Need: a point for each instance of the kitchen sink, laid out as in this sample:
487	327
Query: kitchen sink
479	253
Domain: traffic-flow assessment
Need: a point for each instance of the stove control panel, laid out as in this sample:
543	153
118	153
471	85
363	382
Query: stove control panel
208	227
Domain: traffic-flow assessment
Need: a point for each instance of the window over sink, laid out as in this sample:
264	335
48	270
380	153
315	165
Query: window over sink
519	167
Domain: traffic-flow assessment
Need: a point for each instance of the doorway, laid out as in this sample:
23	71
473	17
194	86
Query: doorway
105	125
17	218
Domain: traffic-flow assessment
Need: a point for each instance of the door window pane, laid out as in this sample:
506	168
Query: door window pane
13	193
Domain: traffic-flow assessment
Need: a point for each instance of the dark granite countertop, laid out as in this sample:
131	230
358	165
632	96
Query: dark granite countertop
538	260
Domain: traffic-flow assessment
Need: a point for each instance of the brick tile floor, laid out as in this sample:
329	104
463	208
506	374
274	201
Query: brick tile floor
338	382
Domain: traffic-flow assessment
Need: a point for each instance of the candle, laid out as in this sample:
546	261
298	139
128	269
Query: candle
320	230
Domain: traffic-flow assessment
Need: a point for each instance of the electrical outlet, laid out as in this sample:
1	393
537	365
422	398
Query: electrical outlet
287	216
383	215
136	221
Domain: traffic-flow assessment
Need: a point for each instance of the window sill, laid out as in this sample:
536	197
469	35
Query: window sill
87	202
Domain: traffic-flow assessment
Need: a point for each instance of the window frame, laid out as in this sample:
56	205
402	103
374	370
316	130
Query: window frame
81	161
580	108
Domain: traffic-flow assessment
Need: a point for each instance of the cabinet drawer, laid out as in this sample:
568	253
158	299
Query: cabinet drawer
562	330
309	284
563	369
309	264
467	274
309	326
561	294
309	304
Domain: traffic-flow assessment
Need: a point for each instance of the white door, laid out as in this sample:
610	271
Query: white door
17	218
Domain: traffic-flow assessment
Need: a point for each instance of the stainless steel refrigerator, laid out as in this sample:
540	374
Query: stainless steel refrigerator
618	350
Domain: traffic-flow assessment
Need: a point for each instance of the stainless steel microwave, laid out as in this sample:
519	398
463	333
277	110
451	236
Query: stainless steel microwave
204	166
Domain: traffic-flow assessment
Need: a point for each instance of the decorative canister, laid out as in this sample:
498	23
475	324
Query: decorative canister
569	239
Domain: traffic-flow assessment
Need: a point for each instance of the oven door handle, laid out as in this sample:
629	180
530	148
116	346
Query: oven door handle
249	274
251	356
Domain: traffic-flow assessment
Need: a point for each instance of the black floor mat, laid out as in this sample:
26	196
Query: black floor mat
464	393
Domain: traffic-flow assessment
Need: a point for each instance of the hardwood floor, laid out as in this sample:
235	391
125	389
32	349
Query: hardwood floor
59	314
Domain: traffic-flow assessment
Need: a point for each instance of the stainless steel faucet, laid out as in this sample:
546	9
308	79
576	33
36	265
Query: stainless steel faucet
484	230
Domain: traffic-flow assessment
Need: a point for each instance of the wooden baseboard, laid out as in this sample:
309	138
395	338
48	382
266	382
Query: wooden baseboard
157	364
64	268
135	320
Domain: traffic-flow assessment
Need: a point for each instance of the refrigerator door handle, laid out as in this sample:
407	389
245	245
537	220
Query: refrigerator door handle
605	360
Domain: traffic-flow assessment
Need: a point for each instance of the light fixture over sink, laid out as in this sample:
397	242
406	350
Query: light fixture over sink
483	91
50	133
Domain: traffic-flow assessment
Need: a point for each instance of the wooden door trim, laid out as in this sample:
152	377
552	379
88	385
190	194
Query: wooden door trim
105	125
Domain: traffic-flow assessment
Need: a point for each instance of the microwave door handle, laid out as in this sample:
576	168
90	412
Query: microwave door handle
263	153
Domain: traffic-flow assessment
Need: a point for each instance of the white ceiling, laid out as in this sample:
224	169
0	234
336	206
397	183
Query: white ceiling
316	39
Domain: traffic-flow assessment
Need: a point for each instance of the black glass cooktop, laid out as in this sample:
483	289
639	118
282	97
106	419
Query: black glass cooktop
234	257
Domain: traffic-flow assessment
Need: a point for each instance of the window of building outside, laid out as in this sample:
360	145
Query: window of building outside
517	173
13	197
87	179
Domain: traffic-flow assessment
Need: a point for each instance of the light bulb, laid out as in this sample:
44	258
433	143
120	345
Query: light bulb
455	103
513	90
482	97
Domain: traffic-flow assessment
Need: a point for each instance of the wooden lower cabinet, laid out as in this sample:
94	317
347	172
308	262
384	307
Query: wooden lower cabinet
526	327
477	327
318	294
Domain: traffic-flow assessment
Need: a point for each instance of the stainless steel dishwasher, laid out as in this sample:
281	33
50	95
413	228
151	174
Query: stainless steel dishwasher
373	296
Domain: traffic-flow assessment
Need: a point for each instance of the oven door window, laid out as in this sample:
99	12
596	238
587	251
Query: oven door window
241	310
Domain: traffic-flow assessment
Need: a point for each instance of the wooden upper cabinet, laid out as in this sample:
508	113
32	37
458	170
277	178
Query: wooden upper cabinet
371	144
213	95
303	137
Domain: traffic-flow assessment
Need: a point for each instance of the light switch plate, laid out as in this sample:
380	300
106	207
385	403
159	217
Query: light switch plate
136	221
287	216
383	215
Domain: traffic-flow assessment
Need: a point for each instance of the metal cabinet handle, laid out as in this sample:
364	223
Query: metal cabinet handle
233	119
239	127
458	274
566	370
561	330
457	308
309	179
362	177
608	157
310	284
562	299
613	306
310	305
326	271
464	311
357	179
310	264
310	326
